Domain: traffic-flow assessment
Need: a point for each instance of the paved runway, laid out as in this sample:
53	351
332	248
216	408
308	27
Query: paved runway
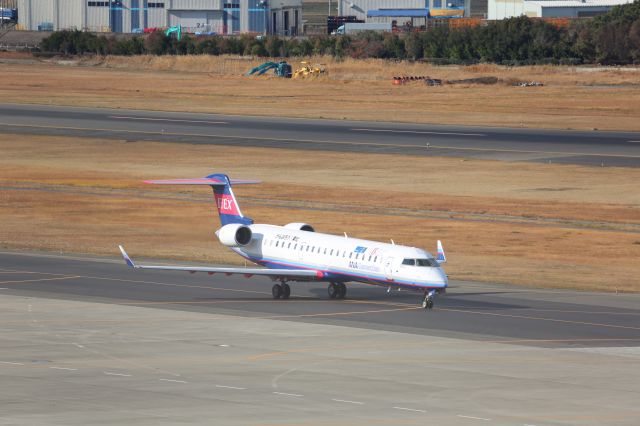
556	146
88	341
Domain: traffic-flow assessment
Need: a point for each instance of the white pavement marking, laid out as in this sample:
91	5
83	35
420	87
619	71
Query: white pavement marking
410	409
346	401
173	381
288	394
116	117
224	346
633	141
11	363
230	387
78	345
474	418
64	368
417	132
108	373
4	288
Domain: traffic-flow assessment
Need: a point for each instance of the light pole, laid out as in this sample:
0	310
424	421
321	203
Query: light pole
263	4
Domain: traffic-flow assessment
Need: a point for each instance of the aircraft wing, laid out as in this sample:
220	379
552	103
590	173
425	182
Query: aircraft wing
247	272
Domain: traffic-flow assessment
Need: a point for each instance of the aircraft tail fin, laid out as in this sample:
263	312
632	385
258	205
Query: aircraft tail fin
441	257
226	203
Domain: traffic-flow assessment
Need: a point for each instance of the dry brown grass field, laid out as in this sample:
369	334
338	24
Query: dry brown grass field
530	224
573	97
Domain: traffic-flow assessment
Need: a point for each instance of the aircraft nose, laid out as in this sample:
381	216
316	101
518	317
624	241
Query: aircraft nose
442	277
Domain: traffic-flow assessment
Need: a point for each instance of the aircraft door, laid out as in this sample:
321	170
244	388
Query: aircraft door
388	268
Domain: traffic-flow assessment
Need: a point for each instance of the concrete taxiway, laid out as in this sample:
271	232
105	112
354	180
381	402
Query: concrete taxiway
87	341
537	145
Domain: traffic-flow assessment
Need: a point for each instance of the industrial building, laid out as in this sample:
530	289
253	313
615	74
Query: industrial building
402	10
283	17
501	9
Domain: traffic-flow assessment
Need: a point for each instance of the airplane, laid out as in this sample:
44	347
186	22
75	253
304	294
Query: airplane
295	252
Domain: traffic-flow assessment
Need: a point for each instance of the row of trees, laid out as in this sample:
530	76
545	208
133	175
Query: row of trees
612	38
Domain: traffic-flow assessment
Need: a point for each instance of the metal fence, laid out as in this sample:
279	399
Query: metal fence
13	47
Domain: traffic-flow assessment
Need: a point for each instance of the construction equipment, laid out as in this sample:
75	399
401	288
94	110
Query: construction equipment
177	30
281	69
308	70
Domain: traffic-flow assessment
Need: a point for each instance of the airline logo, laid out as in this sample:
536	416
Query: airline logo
360	249
226	205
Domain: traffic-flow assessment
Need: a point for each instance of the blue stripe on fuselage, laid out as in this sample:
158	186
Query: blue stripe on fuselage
339	276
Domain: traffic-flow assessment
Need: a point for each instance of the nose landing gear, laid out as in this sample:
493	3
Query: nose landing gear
429	296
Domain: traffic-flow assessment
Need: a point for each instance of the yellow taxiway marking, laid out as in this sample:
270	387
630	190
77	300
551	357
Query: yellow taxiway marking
15	271
563	311
41	279
325	142
447	343
626	327
331	314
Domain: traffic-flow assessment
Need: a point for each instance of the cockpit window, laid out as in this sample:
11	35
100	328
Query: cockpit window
421	262
427	262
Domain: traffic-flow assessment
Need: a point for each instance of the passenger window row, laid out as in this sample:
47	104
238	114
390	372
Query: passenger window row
319	250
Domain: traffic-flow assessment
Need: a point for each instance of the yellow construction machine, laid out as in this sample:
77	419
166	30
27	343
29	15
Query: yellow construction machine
308	70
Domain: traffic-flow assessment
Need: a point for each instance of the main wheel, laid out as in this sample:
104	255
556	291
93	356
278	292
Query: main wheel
286	291
276	291
342	290
333	290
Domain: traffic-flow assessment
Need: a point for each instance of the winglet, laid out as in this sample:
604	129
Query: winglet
126	257
441	257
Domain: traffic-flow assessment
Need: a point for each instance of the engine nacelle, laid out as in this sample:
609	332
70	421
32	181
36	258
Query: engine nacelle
300	226
234	235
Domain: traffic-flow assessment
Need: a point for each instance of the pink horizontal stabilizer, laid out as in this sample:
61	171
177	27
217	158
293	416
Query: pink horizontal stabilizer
199	181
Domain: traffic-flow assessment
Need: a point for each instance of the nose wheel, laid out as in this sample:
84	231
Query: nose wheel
427	301
337	290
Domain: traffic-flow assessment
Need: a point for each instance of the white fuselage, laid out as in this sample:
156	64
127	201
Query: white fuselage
342	259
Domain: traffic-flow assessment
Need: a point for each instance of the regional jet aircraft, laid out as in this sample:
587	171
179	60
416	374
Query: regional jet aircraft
295	252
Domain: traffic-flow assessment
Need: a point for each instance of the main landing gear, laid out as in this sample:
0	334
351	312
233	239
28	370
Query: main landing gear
281	291
337	290
429	296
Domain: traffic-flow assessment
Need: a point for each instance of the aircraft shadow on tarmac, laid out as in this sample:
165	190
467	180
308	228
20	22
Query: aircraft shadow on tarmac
375	297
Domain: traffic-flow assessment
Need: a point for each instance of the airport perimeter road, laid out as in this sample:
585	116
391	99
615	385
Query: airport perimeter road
557	146
88	341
